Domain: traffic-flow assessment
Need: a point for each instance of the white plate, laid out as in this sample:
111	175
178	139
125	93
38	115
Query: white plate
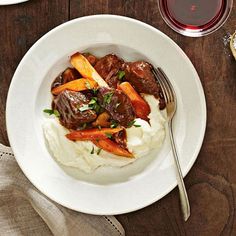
107	191
10	2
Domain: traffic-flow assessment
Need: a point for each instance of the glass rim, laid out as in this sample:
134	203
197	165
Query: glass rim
196	32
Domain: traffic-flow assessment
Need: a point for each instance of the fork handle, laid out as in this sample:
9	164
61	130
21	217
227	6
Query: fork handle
182	190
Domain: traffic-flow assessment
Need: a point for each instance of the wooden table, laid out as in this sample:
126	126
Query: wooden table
211	183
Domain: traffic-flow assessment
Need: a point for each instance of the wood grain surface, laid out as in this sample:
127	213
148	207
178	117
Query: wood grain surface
211	183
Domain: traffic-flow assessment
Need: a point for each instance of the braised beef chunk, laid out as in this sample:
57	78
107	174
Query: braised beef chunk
68	104
121	138
117	104
66	76
91	58
108	67
140	75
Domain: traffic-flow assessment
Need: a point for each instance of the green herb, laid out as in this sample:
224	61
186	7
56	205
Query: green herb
121	74
98	151
93	104
95	90
96	107
107	98
87	85
93	101
84	107
99	127
108	135
130	124
56	113
48	111
92	151
118	104
52	112
114	124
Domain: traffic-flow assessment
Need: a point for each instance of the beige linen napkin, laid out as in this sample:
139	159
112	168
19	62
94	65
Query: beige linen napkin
26	211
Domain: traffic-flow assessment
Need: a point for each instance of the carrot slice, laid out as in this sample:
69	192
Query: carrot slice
141	107
92	134
112	147
76	85
81	64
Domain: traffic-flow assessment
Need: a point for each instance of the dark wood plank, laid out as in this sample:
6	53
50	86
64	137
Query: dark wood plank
211	182
20	26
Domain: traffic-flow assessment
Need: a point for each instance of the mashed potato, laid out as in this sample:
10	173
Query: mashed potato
140	140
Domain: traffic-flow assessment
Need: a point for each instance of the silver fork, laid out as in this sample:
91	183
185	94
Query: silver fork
171	105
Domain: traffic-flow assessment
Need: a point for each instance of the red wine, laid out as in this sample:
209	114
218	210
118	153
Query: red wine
195	17
194	14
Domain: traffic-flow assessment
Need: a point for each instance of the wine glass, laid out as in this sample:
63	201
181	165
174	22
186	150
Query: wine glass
195	18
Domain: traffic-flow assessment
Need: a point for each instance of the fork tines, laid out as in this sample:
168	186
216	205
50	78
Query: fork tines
165	84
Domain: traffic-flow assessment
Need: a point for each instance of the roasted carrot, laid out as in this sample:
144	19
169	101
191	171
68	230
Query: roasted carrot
112	147
81	64
141	107
76	85
102	120
92	134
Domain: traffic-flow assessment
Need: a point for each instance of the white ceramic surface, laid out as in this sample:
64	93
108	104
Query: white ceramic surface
10	2
107	191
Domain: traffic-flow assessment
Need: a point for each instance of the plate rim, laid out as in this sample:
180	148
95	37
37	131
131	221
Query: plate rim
202	102
11	2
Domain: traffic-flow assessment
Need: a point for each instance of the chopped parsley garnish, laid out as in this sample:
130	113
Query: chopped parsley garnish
93	101
108	135
114	124
107	98
96	107
52	112
87	85
92	105
95	90
121	74
56	113
92	151
49	111
132	123
98	151
84	107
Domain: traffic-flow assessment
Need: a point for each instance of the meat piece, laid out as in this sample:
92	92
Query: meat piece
68	103
66	76
113	81
108	67
91	58
117	104
121	138
139	74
